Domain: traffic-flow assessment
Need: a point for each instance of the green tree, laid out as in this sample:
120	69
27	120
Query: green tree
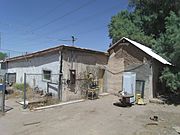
124	25
2	55
155	23
153	14
168	45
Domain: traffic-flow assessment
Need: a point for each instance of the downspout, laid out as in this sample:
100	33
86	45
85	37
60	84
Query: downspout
60	77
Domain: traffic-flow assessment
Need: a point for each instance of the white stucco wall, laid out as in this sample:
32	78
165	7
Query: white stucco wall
36	65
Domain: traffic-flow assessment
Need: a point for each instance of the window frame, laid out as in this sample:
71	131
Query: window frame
43	75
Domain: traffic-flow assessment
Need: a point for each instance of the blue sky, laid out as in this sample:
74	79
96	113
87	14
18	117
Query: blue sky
32	25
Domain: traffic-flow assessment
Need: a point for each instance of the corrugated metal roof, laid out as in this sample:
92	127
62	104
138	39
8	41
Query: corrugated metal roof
147	50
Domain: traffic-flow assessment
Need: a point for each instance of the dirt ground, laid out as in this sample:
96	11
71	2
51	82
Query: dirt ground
92	117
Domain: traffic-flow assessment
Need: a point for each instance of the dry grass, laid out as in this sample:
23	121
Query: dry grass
35	99
45	102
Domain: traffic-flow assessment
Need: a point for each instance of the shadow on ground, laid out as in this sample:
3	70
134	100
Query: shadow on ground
171	98
118	104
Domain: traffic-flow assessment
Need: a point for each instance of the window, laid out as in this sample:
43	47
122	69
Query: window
11	77
72	76
3	66
47	75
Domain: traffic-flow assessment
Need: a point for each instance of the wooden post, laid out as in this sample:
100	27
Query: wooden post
3	93
24	106
47	87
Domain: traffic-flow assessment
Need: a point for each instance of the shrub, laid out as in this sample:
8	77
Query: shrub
172	80
19	86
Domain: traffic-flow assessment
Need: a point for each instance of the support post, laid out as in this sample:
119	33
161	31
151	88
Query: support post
3	93
59	93
60	88
24	105
60	78
47	87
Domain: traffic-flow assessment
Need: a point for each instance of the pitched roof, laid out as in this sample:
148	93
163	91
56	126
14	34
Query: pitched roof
144	48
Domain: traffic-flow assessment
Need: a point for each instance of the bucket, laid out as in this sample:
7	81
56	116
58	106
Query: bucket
138	97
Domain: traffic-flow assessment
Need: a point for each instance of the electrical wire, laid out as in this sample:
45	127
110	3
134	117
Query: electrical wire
48	12
12	50
66	14
81	20
87	18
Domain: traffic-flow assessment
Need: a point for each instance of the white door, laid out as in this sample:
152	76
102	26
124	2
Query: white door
129	84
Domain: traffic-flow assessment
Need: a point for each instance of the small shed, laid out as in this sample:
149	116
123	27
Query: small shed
130	56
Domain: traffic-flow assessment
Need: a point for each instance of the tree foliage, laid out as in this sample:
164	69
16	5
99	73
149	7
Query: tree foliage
153	14
124	25
2	55
156	24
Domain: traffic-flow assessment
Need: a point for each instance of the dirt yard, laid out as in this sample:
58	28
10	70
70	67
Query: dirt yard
97	117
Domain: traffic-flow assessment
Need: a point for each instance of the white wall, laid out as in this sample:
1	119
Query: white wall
36	65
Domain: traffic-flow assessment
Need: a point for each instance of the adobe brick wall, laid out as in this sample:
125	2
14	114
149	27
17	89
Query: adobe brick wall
127	58
82	62
115	68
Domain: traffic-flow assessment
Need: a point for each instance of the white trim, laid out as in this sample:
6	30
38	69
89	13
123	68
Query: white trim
145	49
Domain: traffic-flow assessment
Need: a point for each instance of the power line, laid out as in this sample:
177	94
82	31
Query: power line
85	19
81	20
68	13
48	12
12	50
92	30
72	40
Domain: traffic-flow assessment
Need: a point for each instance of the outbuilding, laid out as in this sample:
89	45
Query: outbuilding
135	68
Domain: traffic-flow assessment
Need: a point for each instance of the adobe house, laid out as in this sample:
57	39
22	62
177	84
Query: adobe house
128	66
73	62
129	56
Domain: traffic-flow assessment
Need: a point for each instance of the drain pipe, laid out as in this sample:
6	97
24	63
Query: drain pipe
60	77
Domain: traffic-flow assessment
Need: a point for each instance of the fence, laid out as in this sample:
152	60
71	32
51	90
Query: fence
2	94
47	89
41	89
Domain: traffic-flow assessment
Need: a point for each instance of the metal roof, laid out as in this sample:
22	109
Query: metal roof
145	49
